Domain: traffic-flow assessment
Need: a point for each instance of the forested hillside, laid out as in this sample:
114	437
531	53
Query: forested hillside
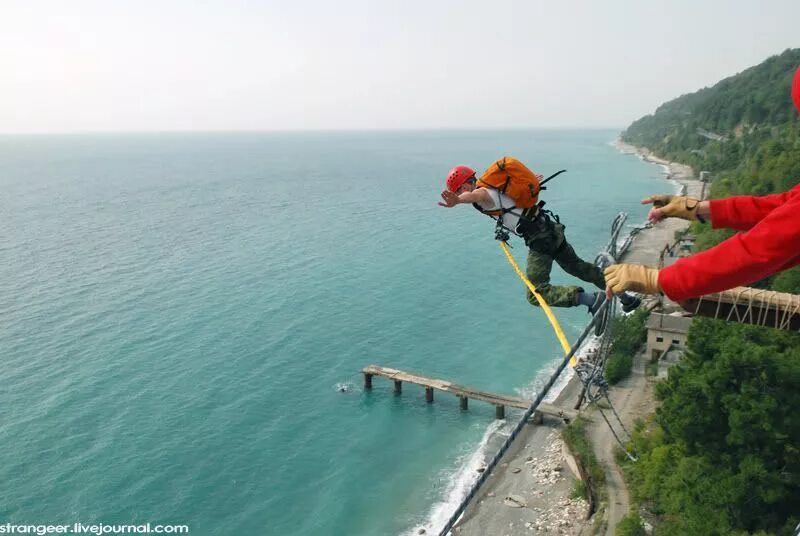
722	454
722	127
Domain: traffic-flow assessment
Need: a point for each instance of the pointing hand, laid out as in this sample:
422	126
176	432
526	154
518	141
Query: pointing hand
672	206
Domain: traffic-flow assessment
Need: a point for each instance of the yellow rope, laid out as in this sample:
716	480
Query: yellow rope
546	308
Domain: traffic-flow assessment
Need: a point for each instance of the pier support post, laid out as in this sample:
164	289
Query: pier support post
500	412
429	394
368	381
398	387
463	402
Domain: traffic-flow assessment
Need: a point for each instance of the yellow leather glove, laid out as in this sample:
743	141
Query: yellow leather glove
672	206
635	277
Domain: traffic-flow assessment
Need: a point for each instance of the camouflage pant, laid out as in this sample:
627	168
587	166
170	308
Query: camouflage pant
546	244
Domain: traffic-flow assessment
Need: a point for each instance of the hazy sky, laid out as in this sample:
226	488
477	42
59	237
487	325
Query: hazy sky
264	65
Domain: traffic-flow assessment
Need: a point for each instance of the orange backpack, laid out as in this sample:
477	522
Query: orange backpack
511	177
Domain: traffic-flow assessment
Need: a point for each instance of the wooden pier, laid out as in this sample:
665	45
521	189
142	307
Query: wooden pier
463	393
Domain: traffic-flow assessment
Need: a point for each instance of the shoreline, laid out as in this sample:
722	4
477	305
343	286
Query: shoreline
530	490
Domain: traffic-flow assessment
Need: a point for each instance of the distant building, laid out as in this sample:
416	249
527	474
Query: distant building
665	331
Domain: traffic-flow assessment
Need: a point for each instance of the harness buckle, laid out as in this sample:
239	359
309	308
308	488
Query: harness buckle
500	232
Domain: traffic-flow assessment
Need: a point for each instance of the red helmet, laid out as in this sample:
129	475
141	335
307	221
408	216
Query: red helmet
458	176
796	89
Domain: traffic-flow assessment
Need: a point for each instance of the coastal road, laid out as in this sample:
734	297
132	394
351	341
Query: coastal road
633	399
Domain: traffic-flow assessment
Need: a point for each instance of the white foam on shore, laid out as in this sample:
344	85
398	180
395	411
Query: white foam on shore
461	477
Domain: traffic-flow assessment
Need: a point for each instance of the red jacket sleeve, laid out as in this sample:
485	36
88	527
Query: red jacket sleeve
741	212
770	246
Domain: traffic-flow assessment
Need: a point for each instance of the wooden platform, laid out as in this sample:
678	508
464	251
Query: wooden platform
750	306
463	393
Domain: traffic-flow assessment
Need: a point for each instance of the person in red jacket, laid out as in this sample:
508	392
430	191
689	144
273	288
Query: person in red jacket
769	243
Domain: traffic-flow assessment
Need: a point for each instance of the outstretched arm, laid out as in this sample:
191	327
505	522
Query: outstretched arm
677	206
766	249
739	212
744	211
452	199
769	247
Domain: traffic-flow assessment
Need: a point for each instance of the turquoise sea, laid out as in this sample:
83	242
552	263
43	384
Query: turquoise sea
177	312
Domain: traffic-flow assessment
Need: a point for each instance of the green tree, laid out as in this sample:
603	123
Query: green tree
629	335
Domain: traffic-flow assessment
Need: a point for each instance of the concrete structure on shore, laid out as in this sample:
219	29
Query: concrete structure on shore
666	331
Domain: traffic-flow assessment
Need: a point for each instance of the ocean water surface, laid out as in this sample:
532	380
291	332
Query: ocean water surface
178	313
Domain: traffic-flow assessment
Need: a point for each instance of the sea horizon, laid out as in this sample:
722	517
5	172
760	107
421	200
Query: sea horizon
321	130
